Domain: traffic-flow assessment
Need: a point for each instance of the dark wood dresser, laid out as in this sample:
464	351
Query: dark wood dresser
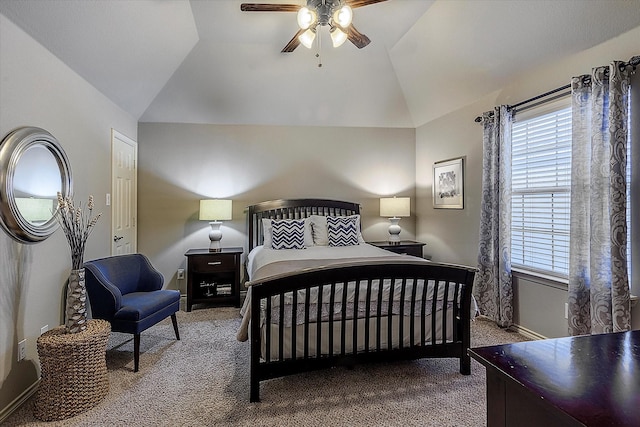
589	380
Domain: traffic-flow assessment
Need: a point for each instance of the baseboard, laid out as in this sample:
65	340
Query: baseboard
18	401
527	332
520	330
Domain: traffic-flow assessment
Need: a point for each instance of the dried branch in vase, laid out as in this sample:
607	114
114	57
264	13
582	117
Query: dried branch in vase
77	225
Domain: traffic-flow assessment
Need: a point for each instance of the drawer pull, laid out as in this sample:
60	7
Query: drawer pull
215	263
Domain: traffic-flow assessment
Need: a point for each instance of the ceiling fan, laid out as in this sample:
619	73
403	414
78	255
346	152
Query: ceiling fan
337	14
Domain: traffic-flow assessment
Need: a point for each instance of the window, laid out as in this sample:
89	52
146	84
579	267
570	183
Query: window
541	190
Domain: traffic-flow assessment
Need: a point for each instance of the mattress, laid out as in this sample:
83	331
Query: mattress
265	262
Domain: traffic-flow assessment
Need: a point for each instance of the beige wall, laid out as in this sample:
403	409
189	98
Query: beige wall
452	236
182	163
36	89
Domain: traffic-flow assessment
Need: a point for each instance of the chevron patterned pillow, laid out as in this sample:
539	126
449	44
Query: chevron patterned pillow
343	231
267	231
287	234
319	229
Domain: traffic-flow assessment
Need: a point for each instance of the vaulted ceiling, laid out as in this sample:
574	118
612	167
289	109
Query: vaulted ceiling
205	61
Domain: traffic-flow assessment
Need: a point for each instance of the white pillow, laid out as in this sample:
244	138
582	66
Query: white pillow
267	233
320	233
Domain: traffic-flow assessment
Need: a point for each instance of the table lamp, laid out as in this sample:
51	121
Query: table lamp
215	211
394	208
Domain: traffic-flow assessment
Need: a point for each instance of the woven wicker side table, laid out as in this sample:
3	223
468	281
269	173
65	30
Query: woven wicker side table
74	371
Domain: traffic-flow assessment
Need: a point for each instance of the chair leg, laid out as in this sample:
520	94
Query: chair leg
136	352
175	326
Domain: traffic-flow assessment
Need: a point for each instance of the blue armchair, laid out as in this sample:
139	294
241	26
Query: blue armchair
126	290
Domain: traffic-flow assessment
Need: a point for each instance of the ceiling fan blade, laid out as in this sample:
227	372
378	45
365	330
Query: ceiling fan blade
356	37
293	43
359	3
268	7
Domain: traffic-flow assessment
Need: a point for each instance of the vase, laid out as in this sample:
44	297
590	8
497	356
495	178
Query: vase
76	309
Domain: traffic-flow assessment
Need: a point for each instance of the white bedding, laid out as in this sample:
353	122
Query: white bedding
264	262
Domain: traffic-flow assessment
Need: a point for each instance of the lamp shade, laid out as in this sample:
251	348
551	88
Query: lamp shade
306	17
338	37
307	38
395	206
215	210
343	16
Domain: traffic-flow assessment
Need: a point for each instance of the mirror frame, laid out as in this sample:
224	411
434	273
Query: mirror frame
12	148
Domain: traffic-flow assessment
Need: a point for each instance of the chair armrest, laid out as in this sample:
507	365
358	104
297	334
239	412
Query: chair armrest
150	279
104	297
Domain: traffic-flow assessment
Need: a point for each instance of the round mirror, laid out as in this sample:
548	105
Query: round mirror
33	169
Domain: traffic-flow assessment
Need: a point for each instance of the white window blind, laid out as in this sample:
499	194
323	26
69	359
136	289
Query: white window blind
541	189
629	144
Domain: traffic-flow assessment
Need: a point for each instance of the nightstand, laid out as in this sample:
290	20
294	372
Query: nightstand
213	277
407	247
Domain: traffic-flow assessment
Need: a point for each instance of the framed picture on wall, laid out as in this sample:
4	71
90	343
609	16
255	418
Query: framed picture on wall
448	184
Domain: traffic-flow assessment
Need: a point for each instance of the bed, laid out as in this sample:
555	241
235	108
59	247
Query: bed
318	296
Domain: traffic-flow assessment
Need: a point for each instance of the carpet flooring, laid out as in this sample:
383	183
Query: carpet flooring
203	380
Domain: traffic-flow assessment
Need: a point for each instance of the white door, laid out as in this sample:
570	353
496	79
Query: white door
124	155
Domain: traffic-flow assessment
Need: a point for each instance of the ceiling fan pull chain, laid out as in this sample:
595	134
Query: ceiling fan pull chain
318	51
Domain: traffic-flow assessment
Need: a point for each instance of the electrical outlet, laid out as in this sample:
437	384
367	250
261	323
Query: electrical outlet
22	349
44	329
180	273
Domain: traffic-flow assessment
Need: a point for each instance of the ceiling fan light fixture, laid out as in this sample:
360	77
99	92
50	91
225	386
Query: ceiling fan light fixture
307	38
338	37
306	18
343	16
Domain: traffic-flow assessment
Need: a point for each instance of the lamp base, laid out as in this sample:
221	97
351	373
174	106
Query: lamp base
394	230
215	235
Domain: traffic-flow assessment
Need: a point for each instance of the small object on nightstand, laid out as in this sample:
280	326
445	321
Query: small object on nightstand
406	247
213	277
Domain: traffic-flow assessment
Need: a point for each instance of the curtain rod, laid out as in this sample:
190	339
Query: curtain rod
633	62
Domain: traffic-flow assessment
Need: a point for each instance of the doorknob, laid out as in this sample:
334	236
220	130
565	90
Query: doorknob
116	238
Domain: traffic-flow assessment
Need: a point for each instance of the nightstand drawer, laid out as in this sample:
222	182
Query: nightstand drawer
406	250
212	264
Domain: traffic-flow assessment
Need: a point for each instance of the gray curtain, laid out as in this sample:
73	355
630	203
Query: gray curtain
598	278
492	287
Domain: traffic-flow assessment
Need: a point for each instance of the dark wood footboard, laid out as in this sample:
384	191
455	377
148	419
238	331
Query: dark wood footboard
433	319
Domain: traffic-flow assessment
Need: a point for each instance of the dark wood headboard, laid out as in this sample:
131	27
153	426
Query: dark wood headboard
293	209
